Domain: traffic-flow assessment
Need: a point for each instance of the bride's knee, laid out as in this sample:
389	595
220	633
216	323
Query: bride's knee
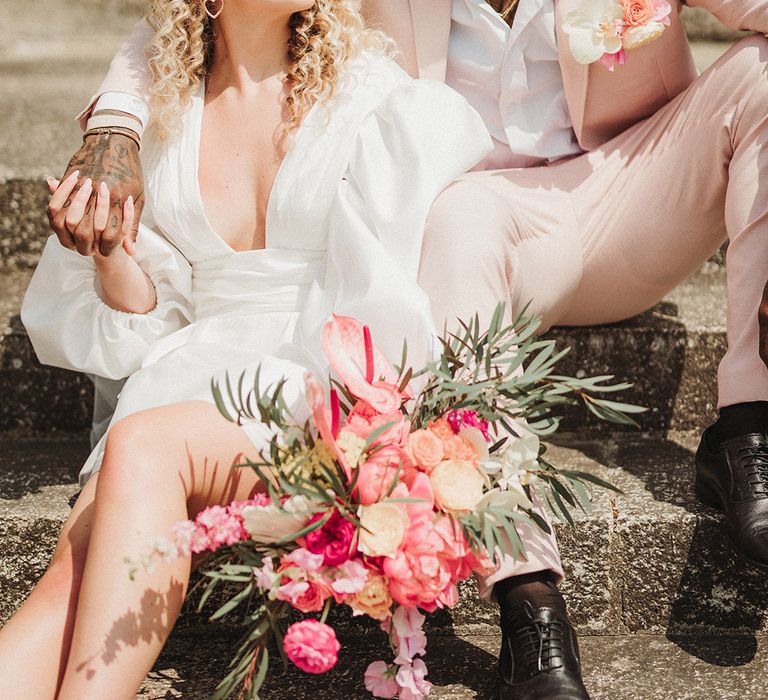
134	449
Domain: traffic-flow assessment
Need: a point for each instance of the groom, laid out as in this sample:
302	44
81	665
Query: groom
603	191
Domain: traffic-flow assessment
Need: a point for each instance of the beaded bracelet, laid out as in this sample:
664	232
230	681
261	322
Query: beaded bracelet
120	131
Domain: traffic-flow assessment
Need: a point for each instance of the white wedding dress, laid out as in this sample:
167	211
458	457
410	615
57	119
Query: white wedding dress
343	234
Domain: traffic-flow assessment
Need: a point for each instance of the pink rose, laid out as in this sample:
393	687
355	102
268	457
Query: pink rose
312	646
380	680
638	12
425	449
305	596
333	540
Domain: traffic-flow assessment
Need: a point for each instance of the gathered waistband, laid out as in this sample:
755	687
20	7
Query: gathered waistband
255	281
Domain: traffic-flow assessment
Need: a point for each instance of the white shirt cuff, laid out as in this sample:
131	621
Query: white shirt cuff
124	102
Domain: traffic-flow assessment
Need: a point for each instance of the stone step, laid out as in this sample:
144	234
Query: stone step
670	352
463	666
649	560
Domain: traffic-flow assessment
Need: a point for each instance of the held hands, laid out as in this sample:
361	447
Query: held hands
96	207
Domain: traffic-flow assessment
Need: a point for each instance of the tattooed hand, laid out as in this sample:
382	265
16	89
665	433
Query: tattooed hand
88	209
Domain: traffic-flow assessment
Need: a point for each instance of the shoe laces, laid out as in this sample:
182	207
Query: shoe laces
542	642
756	468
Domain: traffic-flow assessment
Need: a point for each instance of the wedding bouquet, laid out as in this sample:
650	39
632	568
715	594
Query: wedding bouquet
604	30
399	486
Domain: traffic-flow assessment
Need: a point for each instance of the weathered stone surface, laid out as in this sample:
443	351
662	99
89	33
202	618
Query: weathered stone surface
637	667
670	352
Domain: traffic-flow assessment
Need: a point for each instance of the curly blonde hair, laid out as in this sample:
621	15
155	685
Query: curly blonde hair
323	38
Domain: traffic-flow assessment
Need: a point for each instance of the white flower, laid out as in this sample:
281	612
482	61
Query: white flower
510	499
593	29
382	529
270	524
475	438
265	576
511	471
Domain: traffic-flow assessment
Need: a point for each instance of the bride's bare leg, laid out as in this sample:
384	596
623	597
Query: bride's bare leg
34	643
160	466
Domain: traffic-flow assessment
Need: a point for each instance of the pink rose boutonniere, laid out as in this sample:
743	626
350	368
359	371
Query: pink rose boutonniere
603	30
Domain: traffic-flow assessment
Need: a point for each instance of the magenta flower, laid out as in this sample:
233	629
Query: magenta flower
312	646
462	418
333	540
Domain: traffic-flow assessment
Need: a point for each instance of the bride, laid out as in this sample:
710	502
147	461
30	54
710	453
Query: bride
289	173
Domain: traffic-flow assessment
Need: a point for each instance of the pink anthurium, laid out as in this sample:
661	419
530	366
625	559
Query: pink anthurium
324	418
358	362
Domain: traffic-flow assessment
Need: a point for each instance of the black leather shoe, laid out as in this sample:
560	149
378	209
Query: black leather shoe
733	477
539	658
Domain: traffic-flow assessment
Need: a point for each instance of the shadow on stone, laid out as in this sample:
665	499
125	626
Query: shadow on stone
721	592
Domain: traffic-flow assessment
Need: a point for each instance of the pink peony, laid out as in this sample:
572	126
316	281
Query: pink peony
312	646
333	540
380	680
377	476
363	419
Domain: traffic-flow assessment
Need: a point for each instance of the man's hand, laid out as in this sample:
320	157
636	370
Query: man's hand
762	317
108	161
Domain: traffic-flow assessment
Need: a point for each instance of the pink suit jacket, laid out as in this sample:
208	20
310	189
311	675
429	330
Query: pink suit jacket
602	104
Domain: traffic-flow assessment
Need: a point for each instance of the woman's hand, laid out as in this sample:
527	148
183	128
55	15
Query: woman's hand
85	219
112	159
123	284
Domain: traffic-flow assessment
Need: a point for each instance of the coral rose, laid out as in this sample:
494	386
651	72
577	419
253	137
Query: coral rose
312	646
425	449
382	529
442	428
638	12
456	447
374	600
457	485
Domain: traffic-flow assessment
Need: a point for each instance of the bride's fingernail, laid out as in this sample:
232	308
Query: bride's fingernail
103	189
73	174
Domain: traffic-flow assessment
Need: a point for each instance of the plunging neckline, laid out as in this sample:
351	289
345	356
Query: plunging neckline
197	132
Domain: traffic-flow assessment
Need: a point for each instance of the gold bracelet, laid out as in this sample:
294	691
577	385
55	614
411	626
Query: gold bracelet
114	130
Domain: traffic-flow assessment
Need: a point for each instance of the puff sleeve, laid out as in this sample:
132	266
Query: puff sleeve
419	137
71	327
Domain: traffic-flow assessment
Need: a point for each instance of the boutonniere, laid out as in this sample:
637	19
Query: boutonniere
603	30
